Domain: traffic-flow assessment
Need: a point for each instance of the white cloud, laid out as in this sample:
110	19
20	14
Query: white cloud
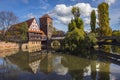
85	8
30	15
87	21
110	1
63	13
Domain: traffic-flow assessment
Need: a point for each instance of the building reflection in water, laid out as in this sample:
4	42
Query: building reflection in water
42	66
8	52
34	66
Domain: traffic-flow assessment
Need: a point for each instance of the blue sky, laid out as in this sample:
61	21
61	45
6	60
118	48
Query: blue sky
59	10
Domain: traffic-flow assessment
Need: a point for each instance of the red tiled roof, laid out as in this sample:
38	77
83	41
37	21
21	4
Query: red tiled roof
43	34
46	16
28	22
40	31
34	31
1	30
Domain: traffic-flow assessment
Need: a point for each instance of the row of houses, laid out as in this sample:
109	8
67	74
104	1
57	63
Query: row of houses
36	33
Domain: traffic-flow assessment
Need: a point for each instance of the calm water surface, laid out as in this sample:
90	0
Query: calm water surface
37	66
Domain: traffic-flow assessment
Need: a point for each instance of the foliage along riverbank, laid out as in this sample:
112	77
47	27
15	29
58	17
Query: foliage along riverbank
79	41
76	39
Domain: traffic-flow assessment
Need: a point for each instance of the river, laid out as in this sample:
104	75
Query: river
57	66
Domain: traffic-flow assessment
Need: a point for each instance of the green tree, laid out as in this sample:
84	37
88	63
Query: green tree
76	33
71	26
116	33
105	30
93	21
23	32
76	12
19	34
77	41
103	16
116	48
1	37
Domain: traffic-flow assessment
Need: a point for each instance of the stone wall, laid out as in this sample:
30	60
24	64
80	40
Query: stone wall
32	46
8	48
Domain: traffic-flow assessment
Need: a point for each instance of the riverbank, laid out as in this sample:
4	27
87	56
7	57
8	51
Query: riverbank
8	48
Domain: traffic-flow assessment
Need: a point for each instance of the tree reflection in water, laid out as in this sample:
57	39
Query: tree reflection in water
104	71
116	49
93	70
38	66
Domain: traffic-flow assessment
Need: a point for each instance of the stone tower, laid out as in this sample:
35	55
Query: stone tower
46	25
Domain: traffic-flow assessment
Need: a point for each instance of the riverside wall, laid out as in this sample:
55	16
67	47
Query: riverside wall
32	46
9	48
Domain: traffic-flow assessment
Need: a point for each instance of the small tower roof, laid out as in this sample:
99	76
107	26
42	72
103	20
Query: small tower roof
46	16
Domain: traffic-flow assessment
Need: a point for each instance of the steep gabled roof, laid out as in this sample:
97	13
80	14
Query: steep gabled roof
46	16
28	22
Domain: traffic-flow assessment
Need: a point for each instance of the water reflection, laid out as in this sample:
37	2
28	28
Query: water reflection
34	66
94	69
100	70
41	66
58	67
8	52
116	49
104	71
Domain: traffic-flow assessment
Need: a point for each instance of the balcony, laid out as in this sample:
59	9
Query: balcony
35	39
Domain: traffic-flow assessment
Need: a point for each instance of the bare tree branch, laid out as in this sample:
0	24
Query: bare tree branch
7	19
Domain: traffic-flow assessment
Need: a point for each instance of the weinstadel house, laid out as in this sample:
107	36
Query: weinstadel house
35	35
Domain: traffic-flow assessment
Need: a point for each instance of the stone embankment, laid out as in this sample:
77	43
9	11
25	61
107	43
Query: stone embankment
8	48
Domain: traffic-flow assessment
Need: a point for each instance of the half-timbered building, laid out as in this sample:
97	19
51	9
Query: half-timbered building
34	35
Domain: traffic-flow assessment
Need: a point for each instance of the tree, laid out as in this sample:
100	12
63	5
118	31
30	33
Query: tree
18	33
93	21
76	33
76	40
7	19
116	33
103	16
105	30
23	32
76	23
76	12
